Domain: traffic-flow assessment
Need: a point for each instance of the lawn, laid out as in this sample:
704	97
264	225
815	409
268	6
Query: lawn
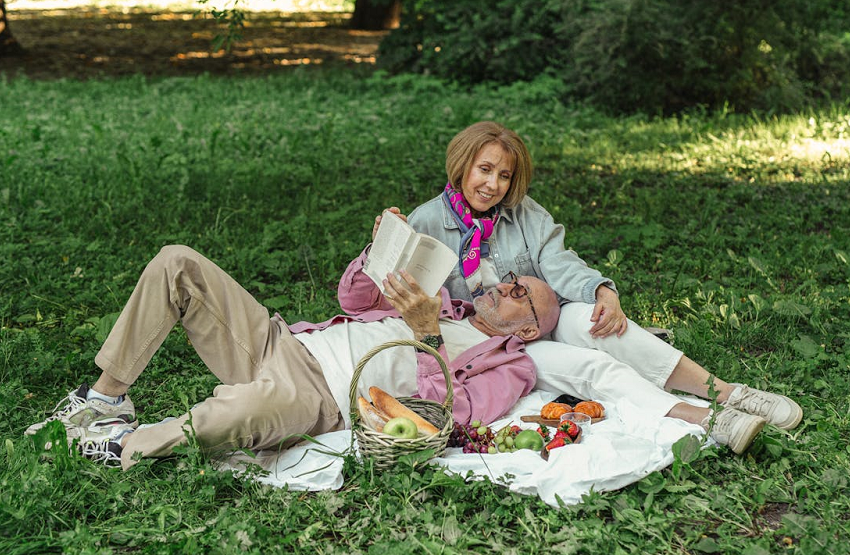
733	231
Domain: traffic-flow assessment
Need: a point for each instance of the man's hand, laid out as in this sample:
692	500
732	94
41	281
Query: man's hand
419	311
607	315
392	209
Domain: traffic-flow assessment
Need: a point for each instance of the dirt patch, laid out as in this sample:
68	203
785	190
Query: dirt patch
88	43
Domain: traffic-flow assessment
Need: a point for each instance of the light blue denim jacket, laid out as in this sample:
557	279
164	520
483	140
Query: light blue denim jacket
525	240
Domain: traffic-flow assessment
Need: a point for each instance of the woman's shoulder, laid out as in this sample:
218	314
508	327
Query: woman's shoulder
428	208
530	209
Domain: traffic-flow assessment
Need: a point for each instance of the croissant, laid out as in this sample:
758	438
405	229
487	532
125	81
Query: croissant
590	408
553	410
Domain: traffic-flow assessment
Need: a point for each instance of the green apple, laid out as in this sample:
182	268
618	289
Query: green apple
529	439
401	427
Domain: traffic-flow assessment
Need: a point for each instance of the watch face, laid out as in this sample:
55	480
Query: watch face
432	341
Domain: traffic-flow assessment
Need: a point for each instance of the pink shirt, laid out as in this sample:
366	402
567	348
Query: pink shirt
487	379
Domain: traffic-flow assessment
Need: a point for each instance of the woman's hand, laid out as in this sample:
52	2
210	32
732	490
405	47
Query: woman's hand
607	315
420	312
392	209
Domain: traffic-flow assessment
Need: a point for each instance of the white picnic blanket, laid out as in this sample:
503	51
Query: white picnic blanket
628	445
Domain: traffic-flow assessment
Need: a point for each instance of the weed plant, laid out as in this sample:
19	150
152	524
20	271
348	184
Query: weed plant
734	231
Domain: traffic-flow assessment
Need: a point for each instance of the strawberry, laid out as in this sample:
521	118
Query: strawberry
570	428
543	431
555	443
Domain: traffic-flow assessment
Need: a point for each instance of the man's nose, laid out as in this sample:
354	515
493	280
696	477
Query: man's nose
503	288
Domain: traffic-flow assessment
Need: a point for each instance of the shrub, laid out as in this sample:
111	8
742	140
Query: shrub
636	55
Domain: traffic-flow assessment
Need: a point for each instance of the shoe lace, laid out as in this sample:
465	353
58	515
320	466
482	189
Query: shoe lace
71	404
754	402
99	451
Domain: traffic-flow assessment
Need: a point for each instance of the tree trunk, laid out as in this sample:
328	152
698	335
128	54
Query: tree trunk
376	15
8	44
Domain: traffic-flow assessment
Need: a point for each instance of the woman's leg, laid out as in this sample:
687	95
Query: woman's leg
652	358
592	374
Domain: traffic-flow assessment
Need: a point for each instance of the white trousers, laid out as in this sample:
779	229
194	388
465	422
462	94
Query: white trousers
636	365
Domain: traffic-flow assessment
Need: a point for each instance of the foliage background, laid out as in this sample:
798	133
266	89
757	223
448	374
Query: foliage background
654	56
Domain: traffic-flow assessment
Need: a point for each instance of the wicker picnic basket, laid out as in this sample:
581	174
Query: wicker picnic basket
384	448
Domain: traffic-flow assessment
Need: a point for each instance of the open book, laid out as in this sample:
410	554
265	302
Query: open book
398	246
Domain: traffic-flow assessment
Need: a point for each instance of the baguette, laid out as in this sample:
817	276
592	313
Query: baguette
372	416
392	408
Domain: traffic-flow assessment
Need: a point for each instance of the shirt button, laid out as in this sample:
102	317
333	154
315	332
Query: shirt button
469	367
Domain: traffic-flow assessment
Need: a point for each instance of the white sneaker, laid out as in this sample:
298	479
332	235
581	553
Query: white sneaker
103	444
779	410
735	428
77	412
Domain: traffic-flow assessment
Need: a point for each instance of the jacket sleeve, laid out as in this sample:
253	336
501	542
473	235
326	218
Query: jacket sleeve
357	292
485	384
564	271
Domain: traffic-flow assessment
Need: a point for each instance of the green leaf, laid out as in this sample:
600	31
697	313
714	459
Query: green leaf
757	264
614	257
755	550
687	448
708	545
105	324
790	308
805	346
841	256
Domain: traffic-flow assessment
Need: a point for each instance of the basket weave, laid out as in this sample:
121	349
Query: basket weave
386	449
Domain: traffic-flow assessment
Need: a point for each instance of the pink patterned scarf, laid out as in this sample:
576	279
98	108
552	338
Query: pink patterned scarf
475	231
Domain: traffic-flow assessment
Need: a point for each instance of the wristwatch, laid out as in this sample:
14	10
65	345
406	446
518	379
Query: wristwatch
433	341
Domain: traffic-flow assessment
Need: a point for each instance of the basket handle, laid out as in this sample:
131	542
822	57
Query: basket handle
355	379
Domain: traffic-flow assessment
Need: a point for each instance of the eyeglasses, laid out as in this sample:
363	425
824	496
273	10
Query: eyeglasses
519	291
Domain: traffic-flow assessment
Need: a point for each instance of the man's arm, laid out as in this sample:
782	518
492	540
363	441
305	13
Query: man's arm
487	380
357	292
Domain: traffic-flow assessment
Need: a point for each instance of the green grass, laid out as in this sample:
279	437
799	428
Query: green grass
734	231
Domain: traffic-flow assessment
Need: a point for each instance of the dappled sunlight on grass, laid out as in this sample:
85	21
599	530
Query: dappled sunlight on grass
742	148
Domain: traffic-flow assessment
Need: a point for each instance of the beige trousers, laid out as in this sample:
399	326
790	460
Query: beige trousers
272	387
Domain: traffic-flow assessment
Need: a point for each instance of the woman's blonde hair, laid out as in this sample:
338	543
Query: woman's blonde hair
463	148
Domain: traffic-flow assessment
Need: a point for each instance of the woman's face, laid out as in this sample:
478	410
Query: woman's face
488	180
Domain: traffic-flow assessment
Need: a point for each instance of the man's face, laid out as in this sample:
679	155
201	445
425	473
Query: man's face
502	311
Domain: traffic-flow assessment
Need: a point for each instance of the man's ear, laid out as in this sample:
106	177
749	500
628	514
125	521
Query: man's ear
528	333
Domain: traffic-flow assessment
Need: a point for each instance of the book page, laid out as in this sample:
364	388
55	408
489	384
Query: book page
388	249
430	263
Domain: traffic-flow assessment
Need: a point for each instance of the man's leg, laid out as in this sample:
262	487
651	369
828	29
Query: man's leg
228	328
289	396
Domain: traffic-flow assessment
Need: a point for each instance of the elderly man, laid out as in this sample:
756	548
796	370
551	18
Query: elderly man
280	380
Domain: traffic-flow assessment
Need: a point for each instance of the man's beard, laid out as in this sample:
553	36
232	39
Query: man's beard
490	314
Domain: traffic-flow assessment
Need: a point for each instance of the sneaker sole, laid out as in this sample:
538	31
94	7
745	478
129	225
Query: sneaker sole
747	437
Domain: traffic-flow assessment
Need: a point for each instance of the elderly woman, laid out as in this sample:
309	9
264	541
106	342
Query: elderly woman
485	215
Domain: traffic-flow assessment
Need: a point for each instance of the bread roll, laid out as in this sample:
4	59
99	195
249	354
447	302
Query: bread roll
372	416
392	408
